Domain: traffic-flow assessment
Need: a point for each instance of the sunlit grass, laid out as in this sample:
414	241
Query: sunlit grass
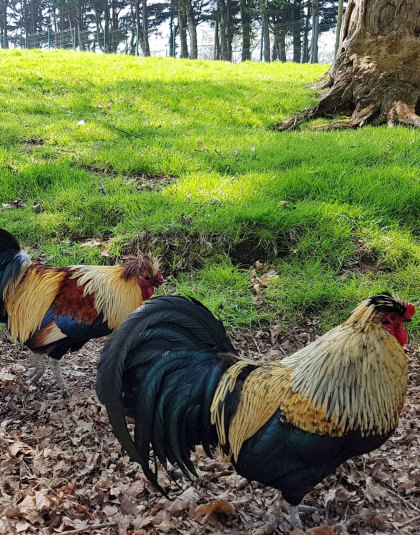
182	154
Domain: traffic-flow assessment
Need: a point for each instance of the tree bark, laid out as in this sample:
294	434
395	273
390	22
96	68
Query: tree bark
182	25
145	29
192	29
375	76
266	30
246	29
305	46
279	42
296	28
225	13
3	23
339	21
315	31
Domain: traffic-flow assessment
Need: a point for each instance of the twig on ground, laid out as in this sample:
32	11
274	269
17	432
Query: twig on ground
408	522
256	345
408	503
88	528
125	132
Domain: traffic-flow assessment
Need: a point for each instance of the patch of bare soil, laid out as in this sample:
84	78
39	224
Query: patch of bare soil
62	470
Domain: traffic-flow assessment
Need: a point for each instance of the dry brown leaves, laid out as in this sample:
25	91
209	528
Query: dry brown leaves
62	470
260	279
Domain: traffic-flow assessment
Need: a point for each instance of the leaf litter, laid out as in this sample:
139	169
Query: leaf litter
63	471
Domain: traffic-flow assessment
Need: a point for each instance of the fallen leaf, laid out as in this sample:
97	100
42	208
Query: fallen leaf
321	530
6	376
20	447
218	506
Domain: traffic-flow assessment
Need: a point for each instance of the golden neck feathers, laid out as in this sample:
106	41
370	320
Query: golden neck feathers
353	378
116	297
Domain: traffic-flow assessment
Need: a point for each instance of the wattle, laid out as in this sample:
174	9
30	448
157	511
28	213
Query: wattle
147	290
401	335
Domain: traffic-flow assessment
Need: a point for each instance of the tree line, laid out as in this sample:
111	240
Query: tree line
274	22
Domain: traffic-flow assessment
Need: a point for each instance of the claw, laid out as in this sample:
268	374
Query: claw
295	520
58	376
307	509
38	368
294	517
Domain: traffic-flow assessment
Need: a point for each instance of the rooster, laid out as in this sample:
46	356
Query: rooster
54	309
286	424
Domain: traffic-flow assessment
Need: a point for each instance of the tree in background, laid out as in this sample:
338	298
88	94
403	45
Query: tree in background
4	23
265	30
125	25
247	10
376	74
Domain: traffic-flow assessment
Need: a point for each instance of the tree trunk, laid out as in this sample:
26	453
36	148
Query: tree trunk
297	44
80	28
246	29
225	29
315	31
222	31
266	30
145	29
3	23
136	15
282	45
172	32
376	73
192	29
279	44
107	34
339	21
305	54
182	25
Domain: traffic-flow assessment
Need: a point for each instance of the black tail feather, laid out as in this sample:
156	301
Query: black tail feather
8	242
163	366
11	263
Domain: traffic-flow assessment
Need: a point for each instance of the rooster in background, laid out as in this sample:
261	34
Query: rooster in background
286	424
54	309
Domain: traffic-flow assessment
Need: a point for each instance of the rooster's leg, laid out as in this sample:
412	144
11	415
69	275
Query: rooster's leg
295	520
58	376
294	517
38	368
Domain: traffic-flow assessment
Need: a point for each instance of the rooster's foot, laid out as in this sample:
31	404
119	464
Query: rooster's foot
38	368
295	520
294	517
58	376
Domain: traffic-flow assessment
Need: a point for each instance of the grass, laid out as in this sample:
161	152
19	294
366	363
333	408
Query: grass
182	154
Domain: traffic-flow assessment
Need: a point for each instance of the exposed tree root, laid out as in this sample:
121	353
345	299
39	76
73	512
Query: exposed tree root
364	103
375	77
404	114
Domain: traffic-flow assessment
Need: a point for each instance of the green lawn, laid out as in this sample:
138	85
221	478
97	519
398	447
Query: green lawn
182	155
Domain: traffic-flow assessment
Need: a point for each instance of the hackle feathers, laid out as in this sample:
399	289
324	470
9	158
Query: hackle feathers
115	297
26	309
352	378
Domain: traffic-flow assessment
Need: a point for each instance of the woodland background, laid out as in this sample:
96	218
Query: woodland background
236	30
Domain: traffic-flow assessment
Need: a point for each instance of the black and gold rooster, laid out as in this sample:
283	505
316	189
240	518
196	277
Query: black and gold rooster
286	424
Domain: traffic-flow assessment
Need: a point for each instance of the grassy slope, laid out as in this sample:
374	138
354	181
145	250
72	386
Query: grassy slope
336	214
